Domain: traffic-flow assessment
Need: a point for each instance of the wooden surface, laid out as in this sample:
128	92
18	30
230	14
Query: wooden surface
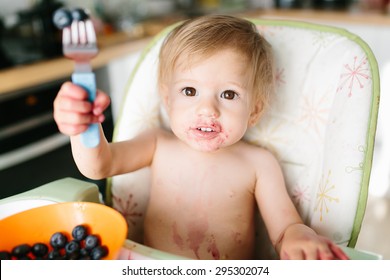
41	72
119	45
352	17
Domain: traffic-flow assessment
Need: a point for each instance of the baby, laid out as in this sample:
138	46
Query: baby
215	79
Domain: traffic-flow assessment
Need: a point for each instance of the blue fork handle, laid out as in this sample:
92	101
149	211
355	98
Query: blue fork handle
90	138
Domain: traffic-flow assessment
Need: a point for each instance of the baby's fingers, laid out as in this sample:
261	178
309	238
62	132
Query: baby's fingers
332	252
71	123
326	254
101	103
317	253
338	252
67	110
73	91
312	254
62	103
72	98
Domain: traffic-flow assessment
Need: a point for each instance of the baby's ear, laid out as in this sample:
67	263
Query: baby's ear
255	115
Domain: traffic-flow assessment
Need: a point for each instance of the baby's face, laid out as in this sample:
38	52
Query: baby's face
209	103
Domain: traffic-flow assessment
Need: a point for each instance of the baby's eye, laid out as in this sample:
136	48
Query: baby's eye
229	94
189	91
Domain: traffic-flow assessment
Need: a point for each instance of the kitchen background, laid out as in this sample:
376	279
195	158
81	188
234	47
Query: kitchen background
32	152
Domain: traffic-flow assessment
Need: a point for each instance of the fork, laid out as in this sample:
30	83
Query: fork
79	44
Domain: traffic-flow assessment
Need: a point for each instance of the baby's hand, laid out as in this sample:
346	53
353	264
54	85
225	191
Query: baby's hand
72	111
300	242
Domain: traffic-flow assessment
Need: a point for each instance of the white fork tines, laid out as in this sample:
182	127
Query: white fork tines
79	43
80	32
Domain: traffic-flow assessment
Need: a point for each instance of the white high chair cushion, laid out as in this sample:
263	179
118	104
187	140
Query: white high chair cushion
320	125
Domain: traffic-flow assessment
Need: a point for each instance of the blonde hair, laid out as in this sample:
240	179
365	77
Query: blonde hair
201	37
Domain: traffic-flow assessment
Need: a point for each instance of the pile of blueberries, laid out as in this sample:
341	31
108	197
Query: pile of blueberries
83	246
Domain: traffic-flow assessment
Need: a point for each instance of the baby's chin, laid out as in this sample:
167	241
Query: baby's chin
205	148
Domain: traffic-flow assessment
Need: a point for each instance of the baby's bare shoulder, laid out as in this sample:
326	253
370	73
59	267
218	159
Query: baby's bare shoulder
258	152
158	132
257	155
163	135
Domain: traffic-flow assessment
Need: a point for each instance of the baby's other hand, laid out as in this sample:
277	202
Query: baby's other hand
72	111
300	242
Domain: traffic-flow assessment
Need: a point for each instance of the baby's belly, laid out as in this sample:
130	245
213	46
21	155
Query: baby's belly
200	236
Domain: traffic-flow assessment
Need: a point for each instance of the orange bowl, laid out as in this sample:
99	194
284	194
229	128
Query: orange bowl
39	224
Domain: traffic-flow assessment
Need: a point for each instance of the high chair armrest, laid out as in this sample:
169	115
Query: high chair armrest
355	254
63	190
134	251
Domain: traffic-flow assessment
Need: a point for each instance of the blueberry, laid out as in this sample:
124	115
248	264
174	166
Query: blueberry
84	252
21	250
39	250
79	14
91	241
79	232
54	255
99	252
58	240
4	255
62	18
72	250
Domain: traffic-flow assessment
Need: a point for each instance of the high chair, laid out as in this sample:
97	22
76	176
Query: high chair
320	125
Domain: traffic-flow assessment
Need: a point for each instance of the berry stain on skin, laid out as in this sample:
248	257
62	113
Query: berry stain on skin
204	134
176	237
237	237
196	237
207	140
196	234
212	249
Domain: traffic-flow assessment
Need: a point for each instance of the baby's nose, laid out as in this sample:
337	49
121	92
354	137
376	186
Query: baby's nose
208	108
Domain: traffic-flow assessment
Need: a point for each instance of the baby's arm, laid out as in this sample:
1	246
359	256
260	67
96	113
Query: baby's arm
73	113
291	238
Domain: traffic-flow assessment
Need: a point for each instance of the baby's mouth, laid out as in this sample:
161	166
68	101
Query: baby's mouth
206	129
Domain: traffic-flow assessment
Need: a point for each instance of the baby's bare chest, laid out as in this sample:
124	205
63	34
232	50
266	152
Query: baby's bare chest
204	182
220	189
202	212
201	206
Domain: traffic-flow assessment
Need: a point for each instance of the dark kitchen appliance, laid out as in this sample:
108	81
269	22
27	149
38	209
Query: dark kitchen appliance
32	37
331	4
